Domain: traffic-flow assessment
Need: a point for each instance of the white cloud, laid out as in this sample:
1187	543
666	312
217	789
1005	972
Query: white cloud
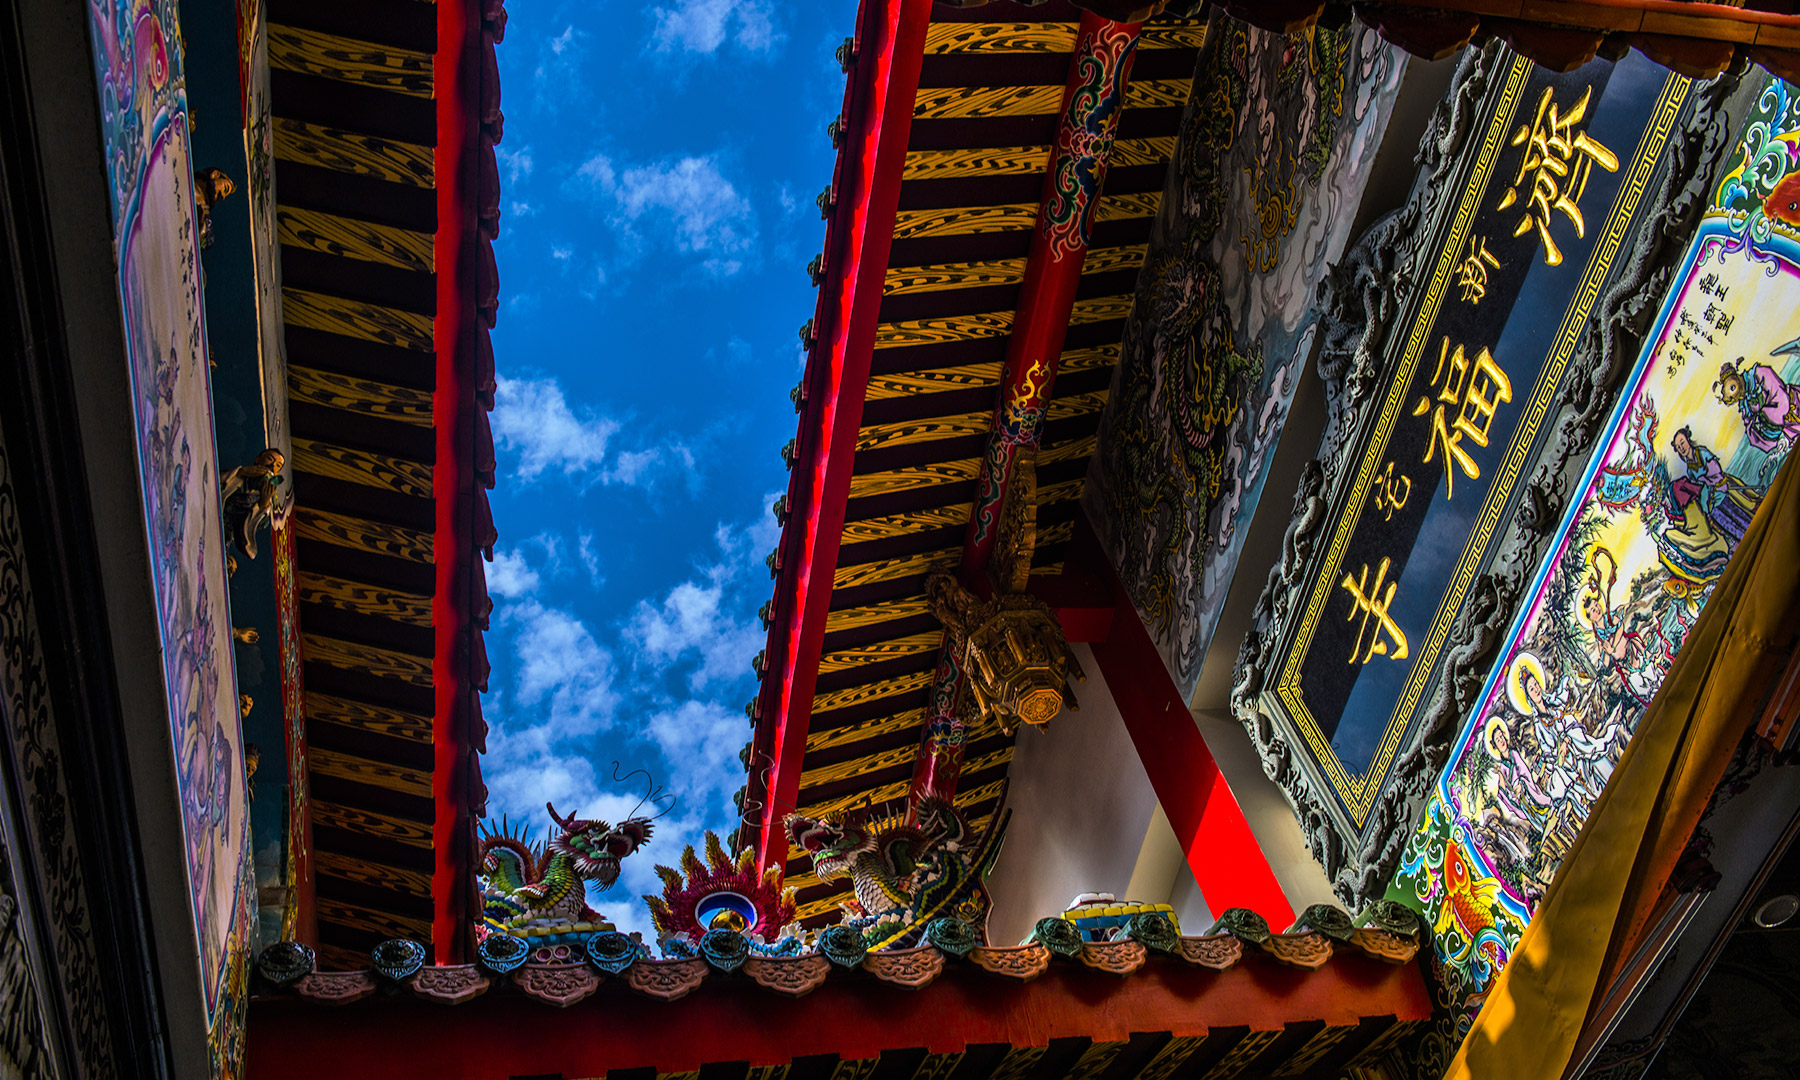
517	163
562	672
510	576
707	211
705	736
558	76
590	559
693	622
689	199
532	417
702	26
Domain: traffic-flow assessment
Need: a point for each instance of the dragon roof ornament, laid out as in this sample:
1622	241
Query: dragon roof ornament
538	891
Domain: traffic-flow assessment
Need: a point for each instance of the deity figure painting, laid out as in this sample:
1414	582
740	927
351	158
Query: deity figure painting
141	85
1682	467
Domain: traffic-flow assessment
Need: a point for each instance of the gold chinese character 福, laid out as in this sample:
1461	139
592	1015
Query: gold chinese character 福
1391	492
1473	388
1374	603
1472	272
1558	159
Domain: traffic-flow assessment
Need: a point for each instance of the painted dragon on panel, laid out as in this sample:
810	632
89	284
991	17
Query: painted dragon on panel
1273	153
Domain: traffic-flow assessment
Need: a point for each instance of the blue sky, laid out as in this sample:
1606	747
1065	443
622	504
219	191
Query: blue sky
659	170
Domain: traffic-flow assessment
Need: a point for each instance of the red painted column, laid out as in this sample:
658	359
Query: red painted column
455	75
889	52
1092	101
1227	861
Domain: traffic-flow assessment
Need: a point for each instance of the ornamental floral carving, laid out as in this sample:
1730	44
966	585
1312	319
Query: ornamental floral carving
560	985
449	985
1384	945
336	987
1021	962
666	980
911	968
1310	950
1113	957
1218	952
790	976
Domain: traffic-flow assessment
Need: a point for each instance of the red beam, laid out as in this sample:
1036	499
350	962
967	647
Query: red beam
890	49
454	75
1227	861
1093	98
499	1036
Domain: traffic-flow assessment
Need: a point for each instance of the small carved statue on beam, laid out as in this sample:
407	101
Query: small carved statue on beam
247	498
1011	646
210	185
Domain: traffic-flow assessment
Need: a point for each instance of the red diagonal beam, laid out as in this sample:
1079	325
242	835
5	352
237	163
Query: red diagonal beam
1092	101
890	46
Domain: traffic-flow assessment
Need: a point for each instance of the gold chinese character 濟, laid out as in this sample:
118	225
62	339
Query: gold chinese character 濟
1391	492
1374	603
1558	159
1472	272
1473	388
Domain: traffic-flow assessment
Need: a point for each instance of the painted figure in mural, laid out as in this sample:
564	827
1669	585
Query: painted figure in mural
539	891
1769	405
247	496
904	874
210	186
1722	500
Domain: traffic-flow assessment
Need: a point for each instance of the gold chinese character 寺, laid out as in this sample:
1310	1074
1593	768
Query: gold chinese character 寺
1472	272
1473	388
1391	492
1558	160
1374	603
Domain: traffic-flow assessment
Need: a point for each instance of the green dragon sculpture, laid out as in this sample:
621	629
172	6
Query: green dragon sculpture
904	874
539	891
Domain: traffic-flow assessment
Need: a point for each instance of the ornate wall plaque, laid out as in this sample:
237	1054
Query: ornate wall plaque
1710	411
1454	420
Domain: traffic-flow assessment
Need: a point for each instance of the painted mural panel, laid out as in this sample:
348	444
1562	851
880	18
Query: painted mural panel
1709	412
138	61
1541	217
1276	147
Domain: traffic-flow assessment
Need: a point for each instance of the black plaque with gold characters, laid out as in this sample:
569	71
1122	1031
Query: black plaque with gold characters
1531	228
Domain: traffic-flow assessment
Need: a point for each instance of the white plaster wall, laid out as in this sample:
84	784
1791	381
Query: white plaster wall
1266	810
1084	819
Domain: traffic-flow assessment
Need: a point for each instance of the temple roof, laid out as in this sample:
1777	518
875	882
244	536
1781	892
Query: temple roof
1295	1004
388	291
990	94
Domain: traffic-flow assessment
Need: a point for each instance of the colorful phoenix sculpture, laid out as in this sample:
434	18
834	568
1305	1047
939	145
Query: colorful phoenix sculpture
538	892
905	874
721	893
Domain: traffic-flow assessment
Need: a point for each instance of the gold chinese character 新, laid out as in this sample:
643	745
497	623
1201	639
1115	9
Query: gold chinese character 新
1473	388
1558	159
1472	272
1374	603
1390	492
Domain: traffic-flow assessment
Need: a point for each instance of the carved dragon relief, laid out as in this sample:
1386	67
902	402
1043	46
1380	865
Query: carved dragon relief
1363	297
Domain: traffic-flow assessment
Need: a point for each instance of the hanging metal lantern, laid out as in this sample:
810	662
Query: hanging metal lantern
1011	646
